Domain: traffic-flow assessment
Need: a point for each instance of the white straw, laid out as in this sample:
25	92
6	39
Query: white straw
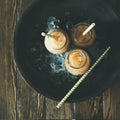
81	79
45	34
88	29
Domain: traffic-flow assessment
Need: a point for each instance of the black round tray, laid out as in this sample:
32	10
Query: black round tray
44	71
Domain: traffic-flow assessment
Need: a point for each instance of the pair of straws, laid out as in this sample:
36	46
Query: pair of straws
84	33
84	75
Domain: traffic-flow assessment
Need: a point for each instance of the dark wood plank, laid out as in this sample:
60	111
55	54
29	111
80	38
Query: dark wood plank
7	68
112	101
29	103
90	109
65	112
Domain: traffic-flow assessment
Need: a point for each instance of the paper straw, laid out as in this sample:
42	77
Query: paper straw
88	29
81	79
45	34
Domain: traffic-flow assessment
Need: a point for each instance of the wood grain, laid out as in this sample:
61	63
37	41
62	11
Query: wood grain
65	112
7	80
90	110
112	101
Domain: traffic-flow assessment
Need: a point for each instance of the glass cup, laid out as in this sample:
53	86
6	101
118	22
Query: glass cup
82	40
57	41
77	61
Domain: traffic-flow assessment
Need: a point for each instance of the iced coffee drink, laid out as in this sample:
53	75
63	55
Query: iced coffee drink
82	40
56	41
77	61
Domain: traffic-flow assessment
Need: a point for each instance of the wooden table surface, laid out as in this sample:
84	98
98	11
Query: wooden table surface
20	102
